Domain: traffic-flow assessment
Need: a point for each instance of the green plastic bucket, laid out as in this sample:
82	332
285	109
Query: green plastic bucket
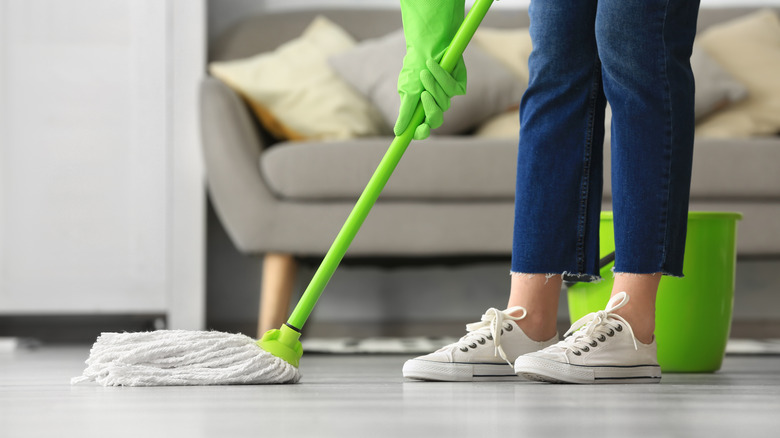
693	314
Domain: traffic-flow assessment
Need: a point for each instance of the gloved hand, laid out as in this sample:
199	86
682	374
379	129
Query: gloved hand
429	26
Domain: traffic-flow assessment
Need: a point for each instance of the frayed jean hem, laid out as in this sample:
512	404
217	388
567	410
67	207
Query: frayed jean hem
568	277
662	273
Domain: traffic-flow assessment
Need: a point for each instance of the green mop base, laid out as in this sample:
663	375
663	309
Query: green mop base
284	344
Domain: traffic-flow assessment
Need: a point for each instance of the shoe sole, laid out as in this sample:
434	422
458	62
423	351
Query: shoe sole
457	372
545	370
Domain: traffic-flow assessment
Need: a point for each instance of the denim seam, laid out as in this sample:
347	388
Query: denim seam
664	220
587	158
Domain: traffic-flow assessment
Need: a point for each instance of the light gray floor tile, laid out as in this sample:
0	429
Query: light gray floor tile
365	396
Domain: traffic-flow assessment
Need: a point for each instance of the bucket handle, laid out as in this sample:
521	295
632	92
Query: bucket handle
607	259
603	262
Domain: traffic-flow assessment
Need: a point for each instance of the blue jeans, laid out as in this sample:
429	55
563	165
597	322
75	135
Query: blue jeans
636	55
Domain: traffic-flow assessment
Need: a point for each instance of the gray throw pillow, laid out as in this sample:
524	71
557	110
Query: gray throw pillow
372	68
715	87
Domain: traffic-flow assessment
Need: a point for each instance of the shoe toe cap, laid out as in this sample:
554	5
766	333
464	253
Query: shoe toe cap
442	355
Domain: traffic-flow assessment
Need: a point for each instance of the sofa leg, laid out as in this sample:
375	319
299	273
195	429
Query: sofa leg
277	285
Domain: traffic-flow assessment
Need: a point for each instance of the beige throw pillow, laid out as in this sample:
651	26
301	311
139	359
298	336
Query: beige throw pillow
511	47
749	49
295	93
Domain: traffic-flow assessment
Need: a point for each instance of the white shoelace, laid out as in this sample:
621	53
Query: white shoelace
595	327
490	327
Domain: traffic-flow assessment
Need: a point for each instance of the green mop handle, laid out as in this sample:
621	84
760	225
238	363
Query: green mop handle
382	174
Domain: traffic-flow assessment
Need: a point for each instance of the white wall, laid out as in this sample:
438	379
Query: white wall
289	4
224	13
101	180
84	170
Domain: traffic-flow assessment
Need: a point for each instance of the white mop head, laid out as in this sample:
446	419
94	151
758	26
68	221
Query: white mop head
180	357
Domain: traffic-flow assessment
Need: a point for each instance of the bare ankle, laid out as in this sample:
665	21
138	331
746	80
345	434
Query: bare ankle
643	326
538	294
538	329
639	312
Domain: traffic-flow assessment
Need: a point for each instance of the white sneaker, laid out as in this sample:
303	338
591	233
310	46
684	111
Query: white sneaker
487	352
599	348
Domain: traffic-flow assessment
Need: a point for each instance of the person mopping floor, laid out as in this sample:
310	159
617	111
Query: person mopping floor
633	53
636	55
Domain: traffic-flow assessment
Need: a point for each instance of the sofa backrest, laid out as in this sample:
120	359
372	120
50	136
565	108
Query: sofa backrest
265	32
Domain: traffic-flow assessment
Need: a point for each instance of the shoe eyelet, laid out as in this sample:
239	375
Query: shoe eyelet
463	349
586	349
490	338
611	333
594	344
502	331
474	345
602	338
619	328
508	328
577	353
482	341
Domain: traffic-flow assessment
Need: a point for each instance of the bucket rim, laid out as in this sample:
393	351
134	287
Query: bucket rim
695	215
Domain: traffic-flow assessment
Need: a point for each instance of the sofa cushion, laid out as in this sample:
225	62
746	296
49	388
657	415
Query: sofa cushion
340	170
730	169
372	68
736	168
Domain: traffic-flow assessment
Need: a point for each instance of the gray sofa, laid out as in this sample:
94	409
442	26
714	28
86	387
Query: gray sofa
450	196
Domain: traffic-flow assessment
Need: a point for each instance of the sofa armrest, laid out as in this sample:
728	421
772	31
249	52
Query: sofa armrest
225	117
231	148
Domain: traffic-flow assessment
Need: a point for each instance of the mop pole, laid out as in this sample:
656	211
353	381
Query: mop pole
290	332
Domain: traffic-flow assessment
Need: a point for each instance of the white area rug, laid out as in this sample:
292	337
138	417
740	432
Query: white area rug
411	345
423	345
753	346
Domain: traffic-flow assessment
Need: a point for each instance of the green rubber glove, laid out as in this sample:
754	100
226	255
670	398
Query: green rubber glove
429	26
